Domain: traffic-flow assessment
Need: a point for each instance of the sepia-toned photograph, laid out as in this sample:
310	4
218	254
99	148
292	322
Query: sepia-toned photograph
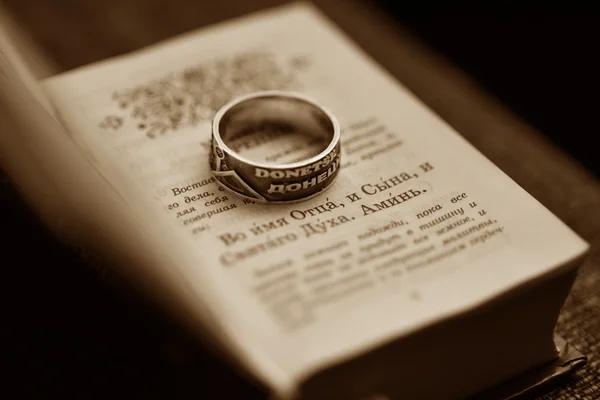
300	200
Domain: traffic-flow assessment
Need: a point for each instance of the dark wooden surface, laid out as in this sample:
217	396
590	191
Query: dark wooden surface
73	334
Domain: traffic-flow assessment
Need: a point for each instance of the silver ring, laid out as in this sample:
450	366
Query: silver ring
274	183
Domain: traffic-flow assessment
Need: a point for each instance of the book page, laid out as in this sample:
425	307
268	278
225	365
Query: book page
418	225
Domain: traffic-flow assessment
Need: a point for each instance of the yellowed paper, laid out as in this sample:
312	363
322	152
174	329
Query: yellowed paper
418	226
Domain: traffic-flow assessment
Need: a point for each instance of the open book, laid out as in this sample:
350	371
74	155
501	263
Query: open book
423	256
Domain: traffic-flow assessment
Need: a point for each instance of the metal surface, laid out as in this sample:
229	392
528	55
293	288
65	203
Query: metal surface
275	183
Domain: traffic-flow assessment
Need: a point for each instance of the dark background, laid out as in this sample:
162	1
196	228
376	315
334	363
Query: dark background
539	58
70	332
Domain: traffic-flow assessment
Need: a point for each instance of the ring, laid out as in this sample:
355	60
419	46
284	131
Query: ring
278	112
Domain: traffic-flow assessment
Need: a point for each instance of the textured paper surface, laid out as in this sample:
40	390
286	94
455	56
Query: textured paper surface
419	225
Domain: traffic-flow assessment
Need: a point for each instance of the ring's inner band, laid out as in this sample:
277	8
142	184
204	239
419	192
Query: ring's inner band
276	129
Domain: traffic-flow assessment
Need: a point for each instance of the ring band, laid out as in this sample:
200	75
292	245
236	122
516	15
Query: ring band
274	183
